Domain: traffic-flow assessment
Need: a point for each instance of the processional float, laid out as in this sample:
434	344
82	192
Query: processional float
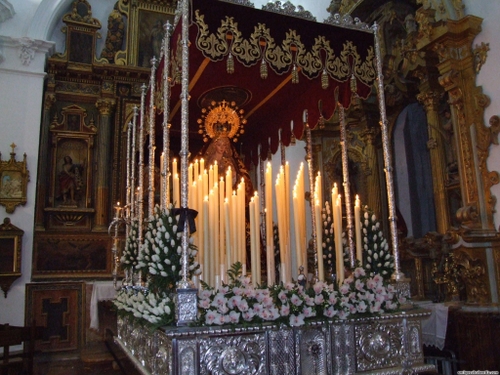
287	67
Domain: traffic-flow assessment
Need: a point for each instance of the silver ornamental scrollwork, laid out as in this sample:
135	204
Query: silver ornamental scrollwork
378	345
233	355
313	351
186	305
282	351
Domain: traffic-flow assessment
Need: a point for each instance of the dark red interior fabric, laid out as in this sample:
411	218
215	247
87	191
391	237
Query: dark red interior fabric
283	105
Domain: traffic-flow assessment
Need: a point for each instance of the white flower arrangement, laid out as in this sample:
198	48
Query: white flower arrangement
155	309
377	258
160	262
161	254
328	243
291	304
128	259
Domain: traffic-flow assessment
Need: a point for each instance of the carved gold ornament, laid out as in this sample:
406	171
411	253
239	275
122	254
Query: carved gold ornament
221	119
292	52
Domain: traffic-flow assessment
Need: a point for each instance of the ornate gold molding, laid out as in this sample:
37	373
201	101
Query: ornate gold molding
105	106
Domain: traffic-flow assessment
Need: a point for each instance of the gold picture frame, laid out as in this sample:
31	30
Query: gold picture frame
14	178
11	238
145	30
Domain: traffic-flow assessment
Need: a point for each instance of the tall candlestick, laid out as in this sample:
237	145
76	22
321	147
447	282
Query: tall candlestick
338	241
319	246
206	241
257	238
357	226
215	223
271	274
242	221
227	221
211	177
196	169
222	222
251	210
229	183
234	228
174	167
175	186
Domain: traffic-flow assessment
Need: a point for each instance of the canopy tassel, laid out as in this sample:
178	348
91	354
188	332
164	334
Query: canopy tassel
324	80
295	74
230	63
263	69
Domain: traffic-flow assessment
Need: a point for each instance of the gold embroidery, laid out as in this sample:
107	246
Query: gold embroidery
261	46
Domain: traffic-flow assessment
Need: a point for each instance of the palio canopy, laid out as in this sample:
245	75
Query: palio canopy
308	64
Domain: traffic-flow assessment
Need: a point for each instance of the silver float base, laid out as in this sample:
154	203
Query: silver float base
385	344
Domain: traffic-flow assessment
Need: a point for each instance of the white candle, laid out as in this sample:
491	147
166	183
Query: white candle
252	243
229	183
222	225
227	220
223	272
190	174
357	226
200	218
174	167
296	226
175	186
241	221
319	240
211	177
206	238
234	228
215	224
271	275
196	170
257	238
117	210
338	241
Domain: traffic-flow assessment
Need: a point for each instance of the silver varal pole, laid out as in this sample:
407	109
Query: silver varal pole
165	168
347	185
132	167
311	184
129	193
140	193
186	307
151	187
397	276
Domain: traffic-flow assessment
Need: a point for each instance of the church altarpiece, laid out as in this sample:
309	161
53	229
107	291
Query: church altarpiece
429	57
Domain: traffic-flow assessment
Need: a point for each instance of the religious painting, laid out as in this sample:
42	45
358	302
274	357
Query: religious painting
71	173
60	309
150	36
14	178
71	256
81	47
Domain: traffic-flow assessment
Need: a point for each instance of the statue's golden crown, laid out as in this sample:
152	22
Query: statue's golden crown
221	119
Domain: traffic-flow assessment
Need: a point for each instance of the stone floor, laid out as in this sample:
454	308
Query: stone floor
95	359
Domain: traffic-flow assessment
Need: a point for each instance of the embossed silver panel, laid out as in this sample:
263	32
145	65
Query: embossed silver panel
282	351
233	354
378	345
383	345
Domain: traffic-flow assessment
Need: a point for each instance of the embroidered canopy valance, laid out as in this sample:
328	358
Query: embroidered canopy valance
273	67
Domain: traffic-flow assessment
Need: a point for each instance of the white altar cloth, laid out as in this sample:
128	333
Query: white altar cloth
434	328
101	291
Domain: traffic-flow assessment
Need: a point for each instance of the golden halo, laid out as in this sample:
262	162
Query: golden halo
221	119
